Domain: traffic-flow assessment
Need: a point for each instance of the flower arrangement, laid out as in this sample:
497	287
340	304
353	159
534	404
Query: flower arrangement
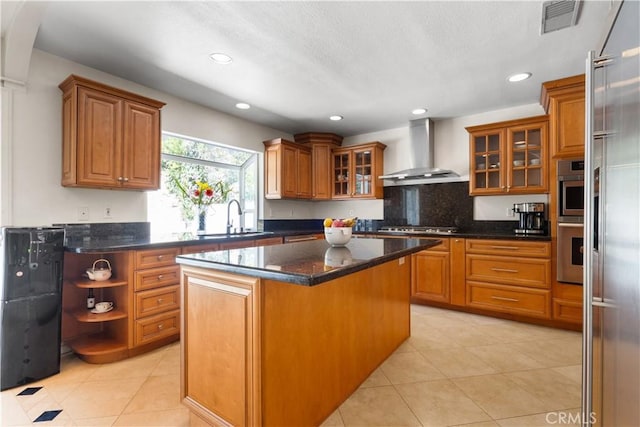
202	194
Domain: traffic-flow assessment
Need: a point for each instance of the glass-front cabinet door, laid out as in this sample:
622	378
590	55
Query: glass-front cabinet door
341	178
527	151
362	173
486	162
509	157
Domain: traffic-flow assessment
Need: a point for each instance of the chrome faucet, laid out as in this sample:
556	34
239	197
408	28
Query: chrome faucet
229	223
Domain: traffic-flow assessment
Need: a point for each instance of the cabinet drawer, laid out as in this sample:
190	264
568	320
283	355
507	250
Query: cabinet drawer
155	327
509	299
567	310
518	248
156	257
195	249
157	301
157	277
531	272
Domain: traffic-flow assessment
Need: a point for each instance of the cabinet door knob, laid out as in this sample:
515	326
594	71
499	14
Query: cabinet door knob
120	178
159	300
160	257
160	277
126	179
160	326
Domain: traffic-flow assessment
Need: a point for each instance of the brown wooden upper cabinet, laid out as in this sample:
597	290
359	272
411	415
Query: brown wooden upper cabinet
509	157
287	170
355	171
564	101
321	144
110	137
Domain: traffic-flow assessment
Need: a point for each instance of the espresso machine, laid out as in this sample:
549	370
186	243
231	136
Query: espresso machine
531	218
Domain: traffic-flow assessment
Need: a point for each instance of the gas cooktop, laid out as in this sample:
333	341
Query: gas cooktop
417	229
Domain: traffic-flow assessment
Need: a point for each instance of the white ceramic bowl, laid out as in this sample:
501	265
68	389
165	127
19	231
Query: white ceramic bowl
534	161
518	163
337	236
337	257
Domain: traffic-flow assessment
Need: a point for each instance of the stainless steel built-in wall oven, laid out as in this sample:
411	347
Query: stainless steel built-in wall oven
570	229
571	189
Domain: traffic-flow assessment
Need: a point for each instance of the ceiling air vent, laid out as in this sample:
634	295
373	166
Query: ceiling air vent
557	15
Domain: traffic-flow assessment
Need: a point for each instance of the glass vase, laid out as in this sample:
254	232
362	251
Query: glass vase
202	222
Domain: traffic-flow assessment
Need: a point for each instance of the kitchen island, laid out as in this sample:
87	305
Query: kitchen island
282	335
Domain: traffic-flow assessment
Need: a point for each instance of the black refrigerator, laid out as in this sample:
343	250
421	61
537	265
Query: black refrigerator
30	304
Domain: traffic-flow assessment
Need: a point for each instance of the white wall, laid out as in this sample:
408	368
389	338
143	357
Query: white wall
36	196
451	151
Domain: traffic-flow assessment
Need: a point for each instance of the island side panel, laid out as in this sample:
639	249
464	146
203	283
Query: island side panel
320	343
220	378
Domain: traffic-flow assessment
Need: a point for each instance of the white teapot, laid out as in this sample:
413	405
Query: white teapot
99	274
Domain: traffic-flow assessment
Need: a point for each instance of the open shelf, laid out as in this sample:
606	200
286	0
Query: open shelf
93	284
99	348
87	316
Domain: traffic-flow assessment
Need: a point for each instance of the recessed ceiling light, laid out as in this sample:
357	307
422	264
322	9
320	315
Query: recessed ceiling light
419	111
518	77
336	118
221	58
243	105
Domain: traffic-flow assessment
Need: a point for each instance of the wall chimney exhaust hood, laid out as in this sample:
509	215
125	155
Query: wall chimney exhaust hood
420	156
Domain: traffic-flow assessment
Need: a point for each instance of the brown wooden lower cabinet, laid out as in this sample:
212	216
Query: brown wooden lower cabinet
263	352
145	289
430	273
504	278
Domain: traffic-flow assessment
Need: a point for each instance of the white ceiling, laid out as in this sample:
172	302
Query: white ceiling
297	63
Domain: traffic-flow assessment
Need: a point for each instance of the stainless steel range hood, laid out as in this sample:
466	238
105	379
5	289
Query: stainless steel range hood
420	157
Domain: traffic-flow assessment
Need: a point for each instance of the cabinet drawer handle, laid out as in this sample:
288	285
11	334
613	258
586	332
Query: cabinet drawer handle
160	326
160	257
505	299
160	277
503	270
159	300
511	248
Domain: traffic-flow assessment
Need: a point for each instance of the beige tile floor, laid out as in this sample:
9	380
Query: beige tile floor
456	369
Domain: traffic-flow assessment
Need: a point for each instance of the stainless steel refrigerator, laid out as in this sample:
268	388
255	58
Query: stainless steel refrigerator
30	304
611	356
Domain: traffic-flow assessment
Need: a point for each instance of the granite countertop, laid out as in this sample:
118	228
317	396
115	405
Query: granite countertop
307	263
122	243
464	235
113	243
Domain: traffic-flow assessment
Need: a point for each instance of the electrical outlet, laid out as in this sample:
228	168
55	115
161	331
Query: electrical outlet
509	211
107	212
83	213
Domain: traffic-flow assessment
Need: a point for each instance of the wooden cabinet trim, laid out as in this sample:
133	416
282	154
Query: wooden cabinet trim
73	80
